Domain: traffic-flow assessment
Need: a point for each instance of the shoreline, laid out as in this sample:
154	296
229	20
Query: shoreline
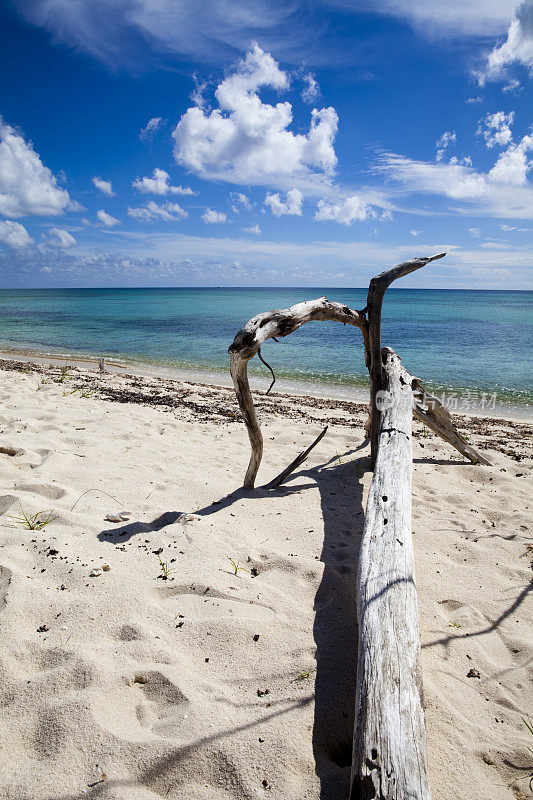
352	394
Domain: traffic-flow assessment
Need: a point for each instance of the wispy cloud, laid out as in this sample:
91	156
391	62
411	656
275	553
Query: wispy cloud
106	219
165	212
105	187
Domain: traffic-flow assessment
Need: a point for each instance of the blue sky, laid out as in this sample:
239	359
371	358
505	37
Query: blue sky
244	142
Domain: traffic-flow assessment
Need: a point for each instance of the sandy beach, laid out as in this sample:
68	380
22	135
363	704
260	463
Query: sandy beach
204	647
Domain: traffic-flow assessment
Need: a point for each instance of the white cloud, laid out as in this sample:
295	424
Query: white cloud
210	216
26	185
414	232
147	133
474	232
292	205
106	219
255	229
349	210
502	192
497	128
61	238
159	184
14	234
471	100
447	139
513	164
104	186
152	211
311	91
450	18
518	47
247	141
241	200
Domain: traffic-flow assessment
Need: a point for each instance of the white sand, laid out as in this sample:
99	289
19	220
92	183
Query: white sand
113	701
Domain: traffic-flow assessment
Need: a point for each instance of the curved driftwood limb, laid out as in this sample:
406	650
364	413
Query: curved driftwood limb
376	291
389	750
272	324
278	480
429	410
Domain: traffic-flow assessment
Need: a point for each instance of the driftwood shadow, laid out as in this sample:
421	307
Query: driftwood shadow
335	628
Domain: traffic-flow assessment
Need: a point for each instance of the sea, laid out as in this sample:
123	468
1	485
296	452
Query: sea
472	348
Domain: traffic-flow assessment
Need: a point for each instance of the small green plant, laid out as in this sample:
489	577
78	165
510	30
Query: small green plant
236	566
304	675
34	522
42	382
82	391
529	726
453	625
165	569
359	470
339	459
63	375
425	433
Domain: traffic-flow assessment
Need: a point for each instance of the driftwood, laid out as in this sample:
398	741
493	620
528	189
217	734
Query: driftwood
389	748
282	322
376	292
248	341
389	753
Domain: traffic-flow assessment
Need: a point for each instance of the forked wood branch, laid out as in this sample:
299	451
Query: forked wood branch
270	324
389	748
376	292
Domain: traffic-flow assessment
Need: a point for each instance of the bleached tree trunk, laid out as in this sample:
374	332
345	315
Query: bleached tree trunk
389	748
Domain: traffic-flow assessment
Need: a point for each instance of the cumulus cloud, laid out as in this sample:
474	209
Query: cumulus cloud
513	164
159	184
104	186
26	185
61	238
147	133
292	205
165	212
210	216
248	141
497	128
255	229
240	199
106	219
518	47
447	139
349	210
14	234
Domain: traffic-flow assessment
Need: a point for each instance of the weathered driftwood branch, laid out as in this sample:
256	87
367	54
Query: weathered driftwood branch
249	339
376	291
278	480
282	322
389	751
429	410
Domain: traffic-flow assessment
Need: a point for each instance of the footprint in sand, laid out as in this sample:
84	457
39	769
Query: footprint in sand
163	707
6	501
45	490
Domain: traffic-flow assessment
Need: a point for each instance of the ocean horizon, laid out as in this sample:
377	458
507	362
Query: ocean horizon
460	342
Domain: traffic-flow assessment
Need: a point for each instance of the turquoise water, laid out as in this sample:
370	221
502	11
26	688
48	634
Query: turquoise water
476	341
